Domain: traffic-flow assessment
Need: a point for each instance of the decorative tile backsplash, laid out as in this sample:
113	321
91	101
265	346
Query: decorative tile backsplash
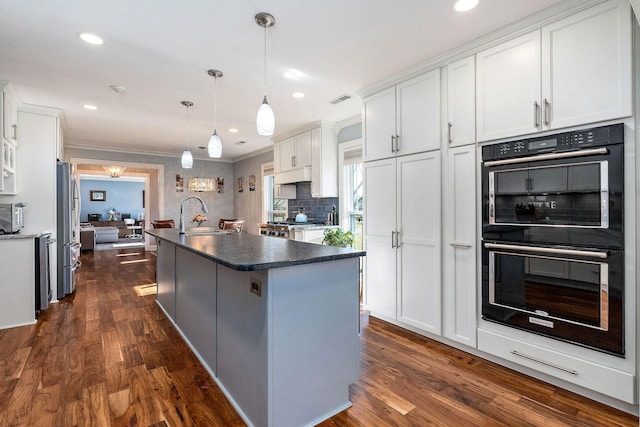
315	208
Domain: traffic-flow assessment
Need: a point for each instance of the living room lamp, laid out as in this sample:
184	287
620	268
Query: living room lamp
215	143
265	120
187	157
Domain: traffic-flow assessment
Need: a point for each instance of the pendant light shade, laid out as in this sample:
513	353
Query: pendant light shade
265	120
187	157
214	147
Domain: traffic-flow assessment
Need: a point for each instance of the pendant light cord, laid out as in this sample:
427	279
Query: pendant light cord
215	103
187	147
265	60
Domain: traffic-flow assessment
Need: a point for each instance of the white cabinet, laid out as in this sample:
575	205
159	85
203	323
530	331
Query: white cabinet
324	162
459	245
574	71
295	152
404	119
309	154
17	264
9	140
402	240
286	191
461	102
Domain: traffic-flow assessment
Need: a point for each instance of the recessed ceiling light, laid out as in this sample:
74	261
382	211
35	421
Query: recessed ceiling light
233	130
464	5
89	107
91	38
297	95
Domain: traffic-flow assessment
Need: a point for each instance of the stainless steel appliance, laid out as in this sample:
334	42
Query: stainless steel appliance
43	279
11	218
284	229
68	246
553	239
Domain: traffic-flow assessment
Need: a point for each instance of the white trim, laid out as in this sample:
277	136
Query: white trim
148	245
635	6
342	148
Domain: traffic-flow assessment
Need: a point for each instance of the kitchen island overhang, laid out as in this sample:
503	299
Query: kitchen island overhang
274	321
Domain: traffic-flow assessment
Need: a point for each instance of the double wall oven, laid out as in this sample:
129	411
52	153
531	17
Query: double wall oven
552	250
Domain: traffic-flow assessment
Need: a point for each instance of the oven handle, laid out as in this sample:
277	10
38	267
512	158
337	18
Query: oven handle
551	156
593	254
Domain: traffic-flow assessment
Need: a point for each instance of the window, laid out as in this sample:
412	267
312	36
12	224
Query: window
274	209
351	189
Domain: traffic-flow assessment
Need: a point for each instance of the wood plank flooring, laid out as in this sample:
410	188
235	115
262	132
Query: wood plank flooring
107	356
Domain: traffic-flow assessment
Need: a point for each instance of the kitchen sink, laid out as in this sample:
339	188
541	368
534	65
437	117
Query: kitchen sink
203	231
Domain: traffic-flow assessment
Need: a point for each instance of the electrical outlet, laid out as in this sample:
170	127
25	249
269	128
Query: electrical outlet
553	205
256	287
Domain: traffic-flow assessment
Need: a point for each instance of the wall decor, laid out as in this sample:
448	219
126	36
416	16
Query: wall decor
252	183
240	185
220	185
98	195
179	183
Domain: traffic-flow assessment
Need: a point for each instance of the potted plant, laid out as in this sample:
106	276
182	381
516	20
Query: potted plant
338	237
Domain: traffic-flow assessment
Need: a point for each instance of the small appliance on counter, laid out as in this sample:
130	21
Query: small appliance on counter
11	217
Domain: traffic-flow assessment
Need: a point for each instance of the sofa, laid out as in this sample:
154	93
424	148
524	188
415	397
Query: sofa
106	234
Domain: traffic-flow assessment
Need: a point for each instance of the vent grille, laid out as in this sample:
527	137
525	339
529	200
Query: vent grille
241	142
340	99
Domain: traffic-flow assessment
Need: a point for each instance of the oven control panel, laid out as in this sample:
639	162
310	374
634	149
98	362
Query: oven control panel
566	141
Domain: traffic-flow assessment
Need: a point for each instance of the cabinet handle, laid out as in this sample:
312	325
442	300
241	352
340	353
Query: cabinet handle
536	113
393	146
552	251
293	161
393	239
278	191
460	245
397	239
524	356
15	132
449	132
546	112
397	142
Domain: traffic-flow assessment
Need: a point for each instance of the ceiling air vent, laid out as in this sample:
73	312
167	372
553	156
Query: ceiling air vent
240	142
340	99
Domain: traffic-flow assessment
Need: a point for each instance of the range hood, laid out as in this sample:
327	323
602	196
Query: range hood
293	176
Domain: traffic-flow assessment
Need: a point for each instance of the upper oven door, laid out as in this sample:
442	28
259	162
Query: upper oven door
573	198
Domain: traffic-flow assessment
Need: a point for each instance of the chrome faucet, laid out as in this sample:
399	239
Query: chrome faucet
204	210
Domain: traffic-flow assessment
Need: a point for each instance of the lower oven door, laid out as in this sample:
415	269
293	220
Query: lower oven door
572	294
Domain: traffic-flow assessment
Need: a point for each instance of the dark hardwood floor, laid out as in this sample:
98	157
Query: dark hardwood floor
108	356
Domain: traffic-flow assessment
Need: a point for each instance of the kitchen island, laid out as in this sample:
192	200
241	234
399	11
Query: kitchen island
274	321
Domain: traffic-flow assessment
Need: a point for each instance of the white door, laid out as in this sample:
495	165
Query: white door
508	88
418	114
459	250
379	124
461	102
419	214
303	150
586	63
380	222
287	153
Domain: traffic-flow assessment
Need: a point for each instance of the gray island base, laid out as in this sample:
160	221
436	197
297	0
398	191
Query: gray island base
274	321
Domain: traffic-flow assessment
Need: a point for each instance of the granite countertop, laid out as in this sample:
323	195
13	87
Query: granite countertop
248	252
16	236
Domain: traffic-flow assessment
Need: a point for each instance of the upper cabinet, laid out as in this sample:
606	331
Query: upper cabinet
9	140
574	71
309	154
461	102
404	119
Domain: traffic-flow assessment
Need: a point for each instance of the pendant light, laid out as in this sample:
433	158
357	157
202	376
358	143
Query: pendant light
187	157
201	184
265	121
215	143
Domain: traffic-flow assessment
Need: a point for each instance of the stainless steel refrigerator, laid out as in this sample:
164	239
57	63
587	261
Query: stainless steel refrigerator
67	214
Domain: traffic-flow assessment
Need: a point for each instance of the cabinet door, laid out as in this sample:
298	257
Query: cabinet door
379	124
419	218
508	88
303	150
10	117
166	277
418	114
459	309
586	63
287	149
380	221
461	102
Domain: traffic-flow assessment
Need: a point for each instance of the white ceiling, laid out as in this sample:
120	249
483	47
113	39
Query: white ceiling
160	51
